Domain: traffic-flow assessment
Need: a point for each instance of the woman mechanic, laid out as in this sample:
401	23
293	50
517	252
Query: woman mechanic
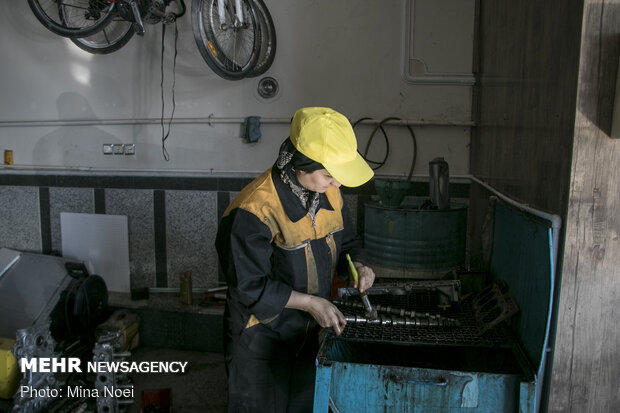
280	242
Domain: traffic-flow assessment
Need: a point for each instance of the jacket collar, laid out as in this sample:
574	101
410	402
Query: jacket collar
292	206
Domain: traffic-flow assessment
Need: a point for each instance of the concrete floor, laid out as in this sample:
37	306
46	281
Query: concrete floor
202	388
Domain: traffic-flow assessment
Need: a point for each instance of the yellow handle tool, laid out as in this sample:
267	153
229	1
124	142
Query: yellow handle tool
370	312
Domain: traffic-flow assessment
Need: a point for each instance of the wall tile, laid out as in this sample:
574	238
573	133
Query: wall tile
137	205
20	220
191	226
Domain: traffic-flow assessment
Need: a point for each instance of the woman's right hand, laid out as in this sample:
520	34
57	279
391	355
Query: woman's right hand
324	312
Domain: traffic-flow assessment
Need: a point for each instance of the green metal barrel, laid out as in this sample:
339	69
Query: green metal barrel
412	238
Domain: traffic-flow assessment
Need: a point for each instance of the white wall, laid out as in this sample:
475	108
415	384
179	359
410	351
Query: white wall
345	54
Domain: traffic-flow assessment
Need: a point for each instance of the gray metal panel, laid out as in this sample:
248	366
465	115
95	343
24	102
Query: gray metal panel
7	259
522	258
26	289
81	200
354	376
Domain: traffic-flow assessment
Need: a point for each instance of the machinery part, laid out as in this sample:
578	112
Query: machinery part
404	317
491	306
420	320
446	292
125	322
105	350
35	341
60	306
451	289
464	335
380	308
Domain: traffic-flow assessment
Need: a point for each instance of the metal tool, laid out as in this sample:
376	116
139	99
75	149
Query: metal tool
370	312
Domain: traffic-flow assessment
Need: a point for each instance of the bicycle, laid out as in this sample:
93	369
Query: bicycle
129	18
73	17
223	39
236	38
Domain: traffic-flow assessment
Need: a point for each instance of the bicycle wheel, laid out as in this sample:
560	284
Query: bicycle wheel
230	49
109	39
268	40
80	17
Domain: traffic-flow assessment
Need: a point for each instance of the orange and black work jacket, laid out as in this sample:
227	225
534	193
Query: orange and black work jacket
269	245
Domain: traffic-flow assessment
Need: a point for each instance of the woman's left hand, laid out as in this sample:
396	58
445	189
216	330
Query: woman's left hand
366	277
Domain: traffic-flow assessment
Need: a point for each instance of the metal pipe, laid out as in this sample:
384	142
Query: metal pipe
211	120
237	173
556	221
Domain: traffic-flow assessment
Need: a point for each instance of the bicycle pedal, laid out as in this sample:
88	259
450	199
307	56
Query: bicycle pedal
138	29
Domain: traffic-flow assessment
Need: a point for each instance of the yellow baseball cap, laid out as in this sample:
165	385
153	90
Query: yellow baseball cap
326	136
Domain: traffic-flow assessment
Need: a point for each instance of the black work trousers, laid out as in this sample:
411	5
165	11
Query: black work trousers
267	375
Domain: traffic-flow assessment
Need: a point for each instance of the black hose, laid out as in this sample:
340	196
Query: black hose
183	9
380	126
365	154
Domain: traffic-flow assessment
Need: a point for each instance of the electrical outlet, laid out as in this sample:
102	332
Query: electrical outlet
130	148
107	149
118	148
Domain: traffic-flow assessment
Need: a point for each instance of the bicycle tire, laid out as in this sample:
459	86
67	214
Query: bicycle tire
218	46
82	17
109	39
268	42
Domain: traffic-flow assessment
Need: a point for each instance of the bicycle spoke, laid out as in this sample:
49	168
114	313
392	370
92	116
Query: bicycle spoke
83	14
111	38
234	41
230	48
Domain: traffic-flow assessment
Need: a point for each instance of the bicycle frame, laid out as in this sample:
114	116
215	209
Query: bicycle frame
221	8
137	16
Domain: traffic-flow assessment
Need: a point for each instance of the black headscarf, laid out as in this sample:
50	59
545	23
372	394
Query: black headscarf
291	160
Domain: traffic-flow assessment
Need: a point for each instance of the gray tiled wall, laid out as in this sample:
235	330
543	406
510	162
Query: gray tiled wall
191	225
172	222
137	205
20	221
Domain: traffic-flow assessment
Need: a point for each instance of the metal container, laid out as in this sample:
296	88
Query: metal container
413	238
8	157
373	377
185	290
421	367
391	192
493	367
439	183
